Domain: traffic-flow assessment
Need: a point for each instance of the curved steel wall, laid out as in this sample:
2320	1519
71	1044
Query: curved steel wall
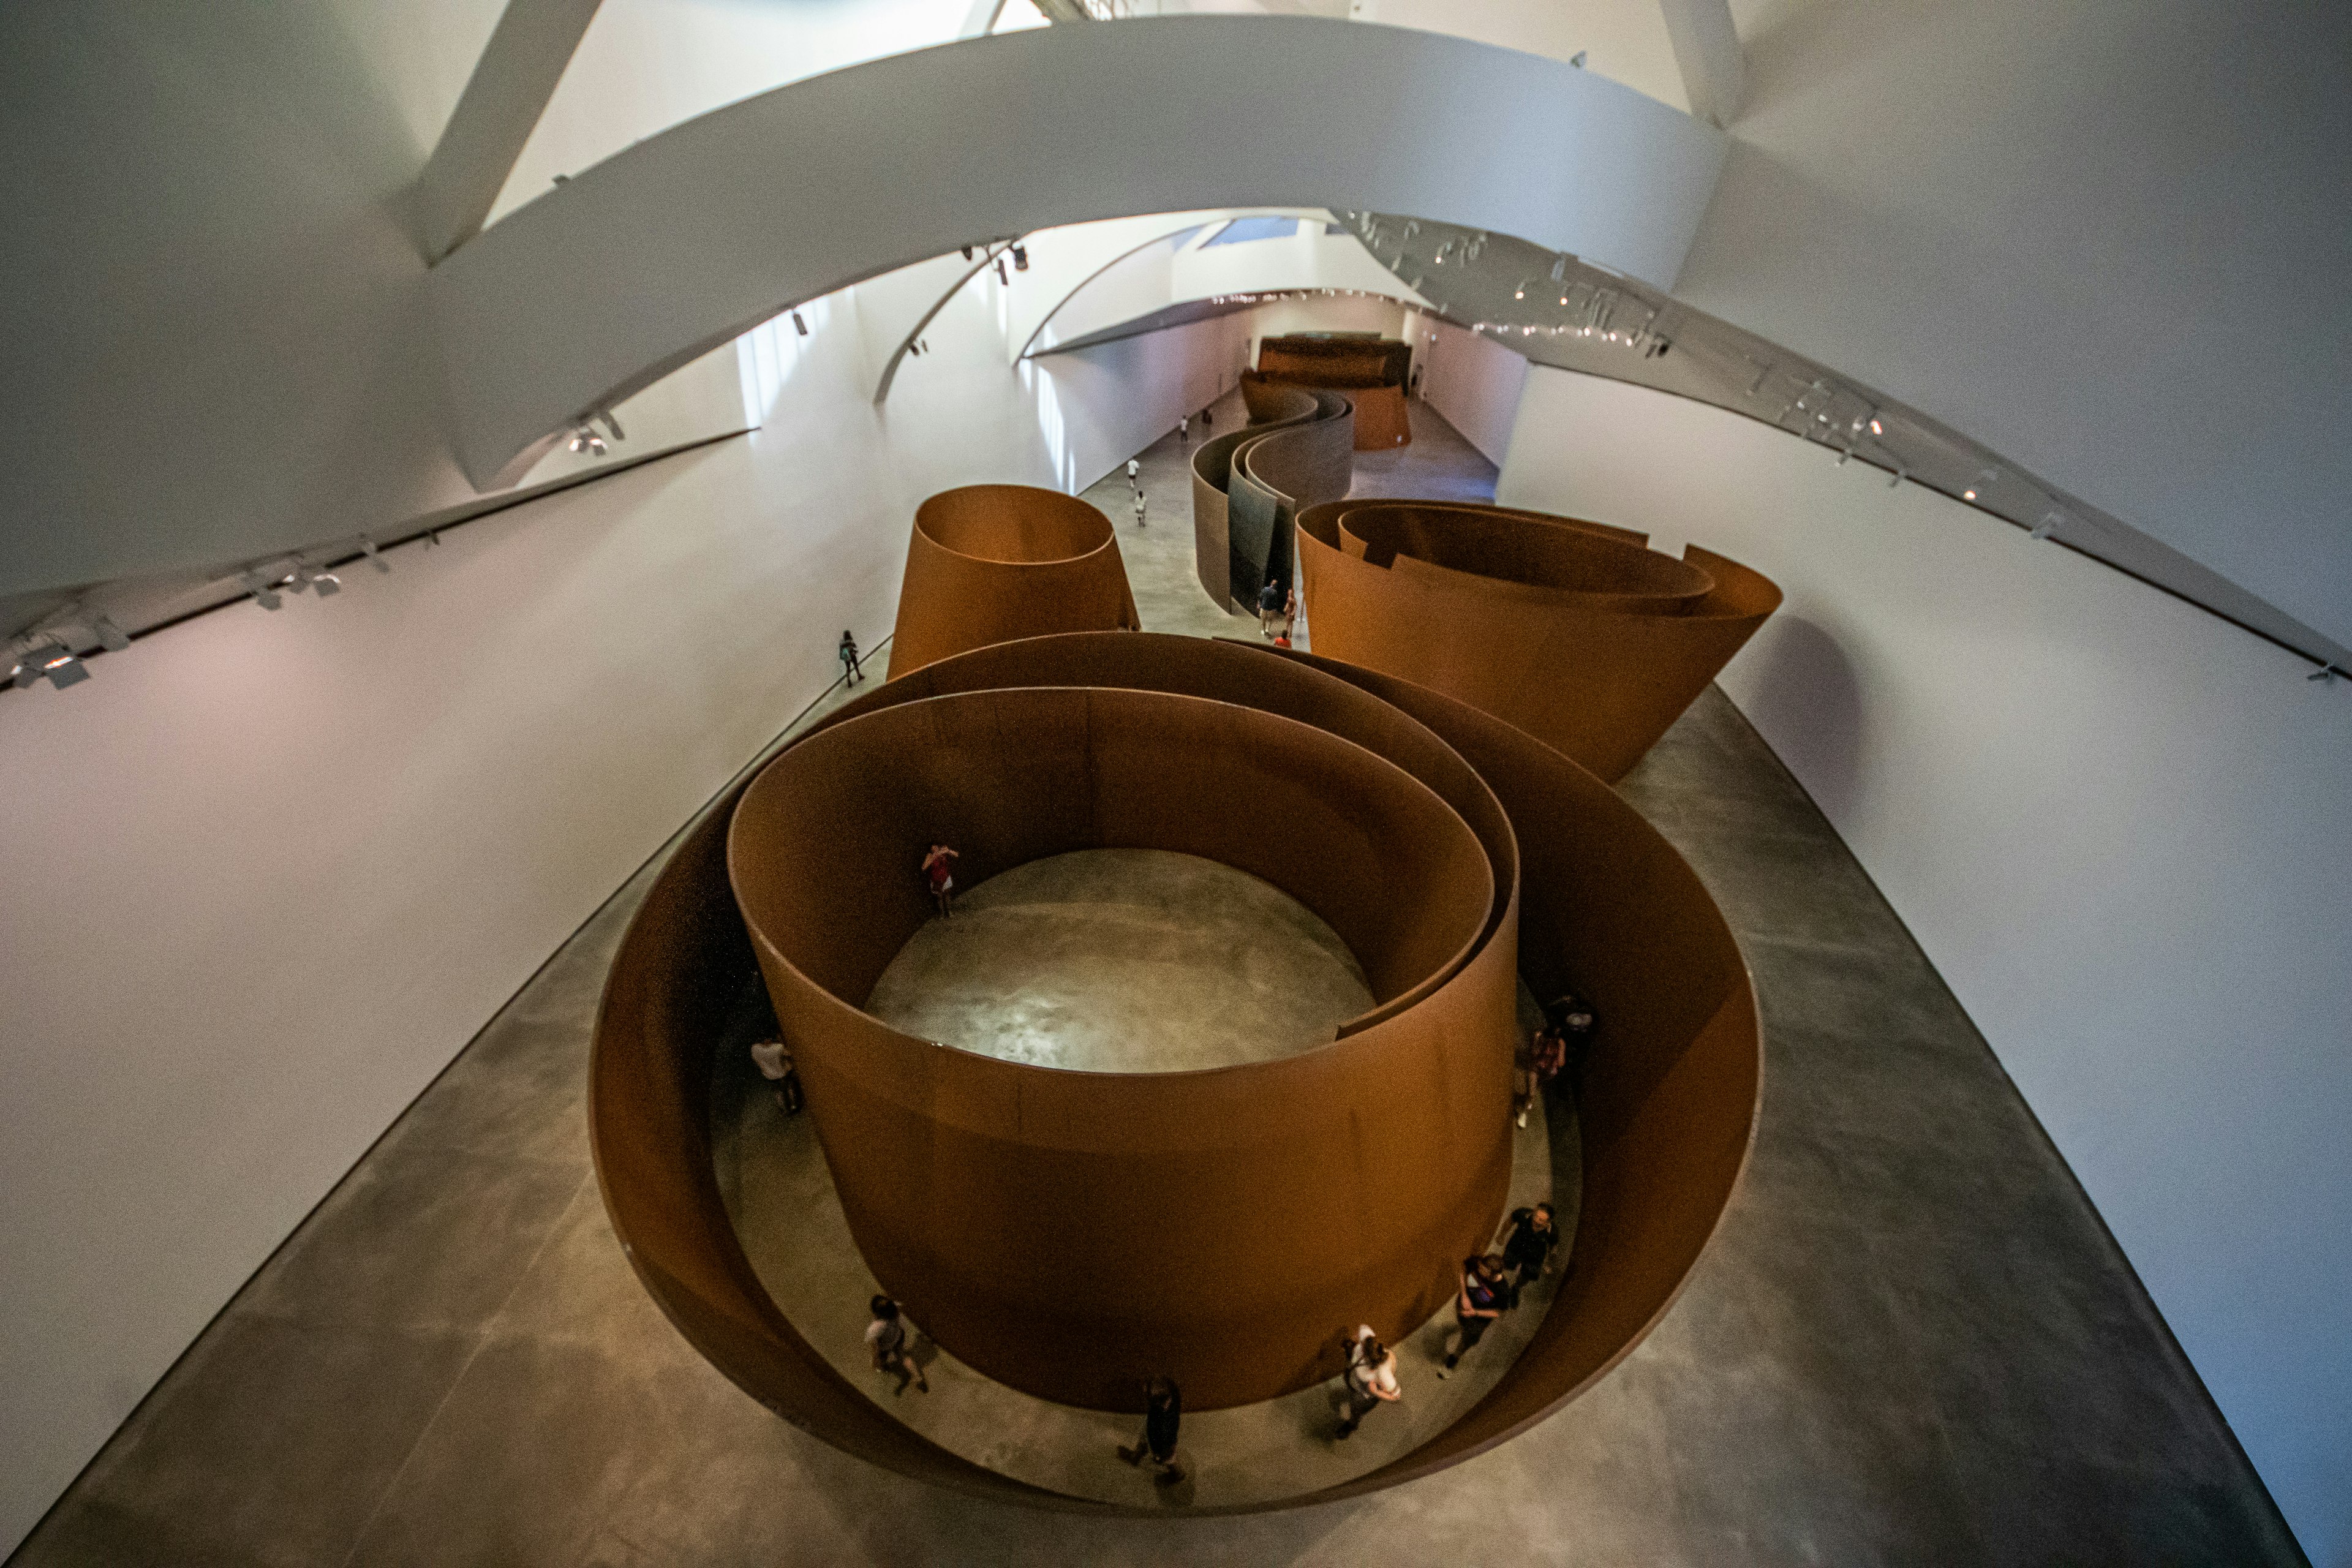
989	564
1369	370
1604	905
1074	1233
1573	632
1249	485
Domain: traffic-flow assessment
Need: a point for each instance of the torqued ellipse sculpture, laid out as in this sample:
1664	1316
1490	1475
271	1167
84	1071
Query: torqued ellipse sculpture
1574	632
1476	849
990	563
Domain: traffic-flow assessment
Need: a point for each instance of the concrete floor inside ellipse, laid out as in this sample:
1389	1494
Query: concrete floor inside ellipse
1124	961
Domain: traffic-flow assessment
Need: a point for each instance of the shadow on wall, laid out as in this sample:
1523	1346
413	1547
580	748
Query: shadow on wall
1805	687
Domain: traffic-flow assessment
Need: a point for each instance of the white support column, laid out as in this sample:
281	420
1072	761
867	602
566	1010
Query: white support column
502	103
1706	48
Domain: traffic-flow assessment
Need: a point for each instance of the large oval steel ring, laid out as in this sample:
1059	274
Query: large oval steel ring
1599	903
1072	1234
1574	632
988	563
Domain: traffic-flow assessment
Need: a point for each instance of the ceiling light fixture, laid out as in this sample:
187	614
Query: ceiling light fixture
1020	259
375	557
264	591
2048	525
110	637
51	660
798	325
585	439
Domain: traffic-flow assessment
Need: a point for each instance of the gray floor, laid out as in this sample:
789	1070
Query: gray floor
1124	961
1912	1343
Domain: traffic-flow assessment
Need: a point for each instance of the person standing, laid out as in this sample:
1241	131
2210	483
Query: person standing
774	1060
1208	422
1573	1021
1528	1247
850	672
1371	1379
1135	476
1476	1306
1269	605
1183	429
886	1336
939	869
1163	1412
1289	612
1139	509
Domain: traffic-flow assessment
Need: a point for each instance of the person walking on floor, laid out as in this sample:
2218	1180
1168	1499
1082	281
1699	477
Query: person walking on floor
1163	1412
1183	429
1371	1379
1135	476
939	869
1269	605
1208	422
886	1336
850	672
1289	612
1573	1021
1527	1247
1139	509
774	1060
1476	1306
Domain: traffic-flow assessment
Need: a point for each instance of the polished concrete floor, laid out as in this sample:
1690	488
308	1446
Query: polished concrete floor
1911	1343
1124	961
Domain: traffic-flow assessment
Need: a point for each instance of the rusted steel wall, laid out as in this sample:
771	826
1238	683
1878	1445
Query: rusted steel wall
1578	890
1370	371
989	564
1073	1233
1248	488
1576	633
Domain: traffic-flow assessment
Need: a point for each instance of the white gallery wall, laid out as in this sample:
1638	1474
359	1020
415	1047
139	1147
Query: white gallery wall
1473	380
269	872
2114	823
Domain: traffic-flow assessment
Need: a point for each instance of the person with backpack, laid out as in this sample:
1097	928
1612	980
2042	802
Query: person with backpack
1476	1306
1163	1412
1370	1378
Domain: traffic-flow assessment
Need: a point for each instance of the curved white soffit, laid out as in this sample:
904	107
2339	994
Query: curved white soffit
693	237
1080	254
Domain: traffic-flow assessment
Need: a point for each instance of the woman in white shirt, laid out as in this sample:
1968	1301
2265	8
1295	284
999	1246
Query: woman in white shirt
1371	1379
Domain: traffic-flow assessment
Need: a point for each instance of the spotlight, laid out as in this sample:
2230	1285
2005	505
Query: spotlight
326	584
111	637
1000	276
1521	293
1878	426
585	439
368	549
1020	259
2326	674
1984	480
1901	474
798	325
2047	526
53	661
264	591
967	253
614	425
1577	59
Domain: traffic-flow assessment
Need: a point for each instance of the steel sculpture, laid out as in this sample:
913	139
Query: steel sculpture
988	563
1529	862
1574	632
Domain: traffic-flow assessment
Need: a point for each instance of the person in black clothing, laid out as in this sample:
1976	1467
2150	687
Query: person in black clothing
1269	605
1528	1247
1163	1412
850	672
1572	1020
1476	1306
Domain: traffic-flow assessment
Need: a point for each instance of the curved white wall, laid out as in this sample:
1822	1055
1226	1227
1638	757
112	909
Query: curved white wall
2115	823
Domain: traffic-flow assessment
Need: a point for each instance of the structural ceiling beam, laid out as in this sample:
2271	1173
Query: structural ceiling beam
503	99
